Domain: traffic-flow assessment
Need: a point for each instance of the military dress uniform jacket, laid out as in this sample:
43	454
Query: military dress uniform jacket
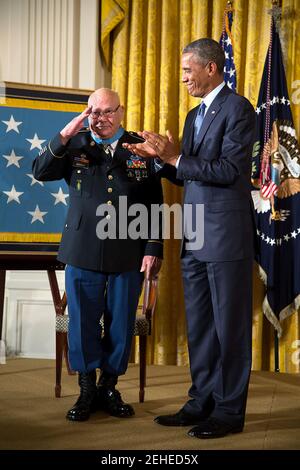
95	178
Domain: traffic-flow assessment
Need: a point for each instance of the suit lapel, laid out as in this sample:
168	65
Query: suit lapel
209	117
212	112
188	135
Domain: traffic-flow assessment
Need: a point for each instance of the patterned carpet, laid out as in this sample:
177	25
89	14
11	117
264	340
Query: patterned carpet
32	418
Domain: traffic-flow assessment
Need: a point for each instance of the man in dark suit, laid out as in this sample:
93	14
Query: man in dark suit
104	271
215	164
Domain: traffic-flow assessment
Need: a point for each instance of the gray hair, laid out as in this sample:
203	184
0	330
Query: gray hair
207	50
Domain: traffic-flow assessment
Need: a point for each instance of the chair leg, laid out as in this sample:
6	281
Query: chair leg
143	349
2	293
66	349
59	356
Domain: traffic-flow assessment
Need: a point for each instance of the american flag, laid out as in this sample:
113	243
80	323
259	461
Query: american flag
30	211
276	197
226	42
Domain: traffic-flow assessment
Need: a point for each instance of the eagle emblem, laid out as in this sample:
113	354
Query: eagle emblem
279	171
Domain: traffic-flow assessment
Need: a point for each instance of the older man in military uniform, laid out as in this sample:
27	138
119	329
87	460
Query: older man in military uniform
103	275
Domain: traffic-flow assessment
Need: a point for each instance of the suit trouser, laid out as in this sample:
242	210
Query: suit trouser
218	301
91	294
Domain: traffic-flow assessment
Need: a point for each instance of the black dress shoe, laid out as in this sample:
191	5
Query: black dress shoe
110	400
179	419
213	428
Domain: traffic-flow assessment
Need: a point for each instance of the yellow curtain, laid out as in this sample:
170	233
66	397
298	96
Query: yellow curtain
146	51
112	13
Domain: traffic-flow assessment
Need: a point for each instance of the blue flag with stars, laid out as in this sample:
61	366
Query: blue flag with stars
226	42
276	193
31	211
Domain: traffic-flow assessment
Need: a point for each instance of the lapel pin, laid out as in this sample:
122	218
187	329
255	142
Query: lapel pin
213	112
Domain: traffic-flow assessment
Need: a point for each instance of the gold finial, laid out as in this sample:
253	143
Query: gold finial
228	8
275	12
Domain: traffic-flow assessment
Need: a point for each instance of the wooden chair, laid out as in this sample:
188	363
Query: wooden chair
142	328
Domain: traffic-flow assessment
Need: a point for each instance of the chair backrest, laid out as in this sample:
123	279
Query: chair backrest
146	308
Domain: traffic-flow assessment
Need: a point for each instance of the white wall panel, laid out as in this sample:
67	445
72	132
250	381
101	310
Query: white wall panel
35	328
51	42
29	315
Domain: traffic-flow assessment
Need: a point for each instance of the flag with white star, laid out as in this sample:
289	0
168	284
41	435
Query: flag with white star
31	211
226	42
276	189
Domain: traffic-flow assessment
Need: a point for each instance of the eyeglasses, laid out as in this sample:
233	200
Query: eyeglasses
107	114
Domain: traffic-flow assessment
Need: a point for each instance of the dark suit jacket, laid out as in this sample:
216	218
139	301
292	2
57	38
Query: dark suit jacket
96	182
217	174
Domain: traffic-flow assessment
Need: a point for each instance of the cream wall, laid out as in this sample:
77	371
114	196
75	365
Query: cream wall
51	42
54	43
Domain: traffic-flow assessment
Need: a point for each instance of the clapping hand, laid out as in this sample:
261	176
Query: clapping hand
142	149
155	145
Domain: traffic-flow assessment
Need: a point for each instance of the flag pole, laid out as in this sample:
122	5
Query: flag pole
276	352
276	190
276	4
226	41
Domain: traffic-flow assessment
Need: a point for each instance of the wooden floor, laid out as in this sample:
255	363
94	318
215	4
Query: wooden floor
32	418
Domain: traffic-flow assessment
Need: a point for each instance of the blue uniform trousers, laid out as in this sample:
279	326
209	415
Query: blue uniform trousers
91	294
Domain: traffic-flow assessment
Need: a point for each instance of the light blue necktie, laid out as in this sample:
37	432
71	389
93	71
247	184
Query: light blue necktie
198	122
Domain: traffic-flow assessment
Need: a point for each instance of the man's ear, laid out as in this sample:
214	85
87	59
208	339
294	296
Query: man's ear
212	69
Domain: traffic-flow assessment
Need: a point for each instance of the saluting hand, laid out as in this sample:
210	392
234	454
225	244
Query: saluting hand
73	127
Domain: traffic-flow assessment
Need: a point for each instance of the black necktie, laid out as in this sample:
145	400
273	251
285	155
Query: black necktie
107	150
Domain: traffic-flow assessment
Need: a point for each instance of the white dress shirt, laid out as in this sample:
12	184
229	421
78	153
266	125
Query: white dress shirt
208	101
